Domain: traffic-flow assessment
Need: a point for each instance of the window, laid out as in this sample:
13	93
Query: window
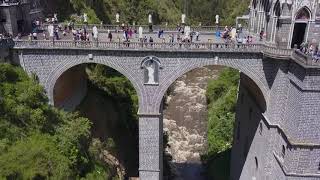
238	131
283	151
242	98
250	114
256	160
260	128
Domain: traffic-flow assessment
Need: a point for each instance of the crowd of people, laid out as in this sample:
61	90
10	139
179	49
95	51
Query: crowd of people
233	35
183	34
311	50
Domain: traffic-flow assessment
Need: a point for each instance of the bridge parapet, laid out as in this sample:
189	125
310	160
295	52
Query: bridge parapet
304	60
209	47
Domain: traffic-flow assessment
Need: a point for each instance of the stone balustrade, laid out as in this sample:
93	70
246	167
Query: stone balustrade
304	59
215	47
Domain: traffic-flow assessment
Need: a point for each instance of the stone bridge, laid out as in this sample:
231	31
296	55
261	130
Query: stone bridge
277	123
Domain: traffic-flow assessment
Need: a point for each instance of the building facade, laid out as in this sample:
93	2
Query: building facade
16	16
286	23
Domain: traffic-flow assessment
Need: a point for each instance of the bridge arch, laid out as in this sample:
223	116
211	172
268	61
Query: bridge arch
65	66
255	77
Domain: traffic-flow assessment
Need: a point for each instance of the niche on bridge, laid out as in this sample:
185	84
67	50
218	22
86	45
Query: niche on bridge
70	88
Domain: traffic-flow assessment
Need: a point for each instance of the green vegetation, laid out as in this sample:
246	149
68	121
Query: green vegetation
38	141
222	97
117	86
163	11
114	89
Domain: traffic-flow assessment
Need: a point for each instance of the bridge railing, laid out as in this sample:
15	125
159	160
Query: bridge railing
218	47
277	52
300	57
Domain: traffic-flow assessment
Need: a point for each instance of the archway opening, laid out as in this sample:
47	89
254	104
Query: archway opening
110	102
300	27
210	115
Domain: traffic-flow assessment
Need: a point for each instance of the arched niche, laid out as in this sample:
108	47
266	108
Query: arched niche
301	23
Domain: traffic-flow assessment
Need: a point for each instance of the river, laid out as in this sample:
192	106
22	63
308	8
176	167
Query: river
185	121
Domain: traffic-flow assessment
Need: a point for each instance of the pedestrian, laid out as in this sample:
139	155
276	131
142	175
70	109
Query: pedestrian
110	36
197	35
151	41
261	34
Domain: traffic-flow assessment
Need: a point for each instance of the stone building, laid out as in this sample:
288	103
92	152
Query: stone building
286	22
16	16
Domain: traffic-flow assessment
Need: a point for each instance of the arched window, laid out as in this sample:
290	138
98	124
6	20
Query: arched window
303	14
256	160
254	4
277	9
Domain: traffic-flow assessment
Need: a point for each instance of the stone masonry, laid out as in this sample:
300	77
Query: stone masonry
282	98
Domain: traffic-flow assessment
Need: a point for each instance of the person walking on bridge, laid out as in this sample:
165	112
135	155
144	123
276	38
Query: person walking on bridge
110	36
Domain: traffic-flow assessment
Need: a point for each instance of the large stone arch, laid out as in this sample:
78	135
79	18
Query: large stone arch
66	65
248	71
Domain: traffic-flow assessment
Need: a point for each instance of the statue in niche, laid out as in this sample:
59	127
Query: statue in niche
151	67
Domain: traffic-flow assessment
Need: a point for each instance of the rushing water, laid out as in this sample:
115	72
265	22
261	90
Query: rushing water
185	121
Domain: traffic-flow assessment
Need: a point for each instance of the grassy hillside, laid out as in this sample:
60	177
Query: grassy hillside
137	10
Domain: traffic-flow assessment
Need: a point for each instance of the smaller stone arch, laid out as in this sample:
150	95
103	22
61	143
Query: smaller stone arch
66	65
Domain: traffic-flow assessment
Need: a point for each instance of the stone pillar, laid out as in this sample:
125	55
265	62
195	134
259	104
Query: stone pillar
150	146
